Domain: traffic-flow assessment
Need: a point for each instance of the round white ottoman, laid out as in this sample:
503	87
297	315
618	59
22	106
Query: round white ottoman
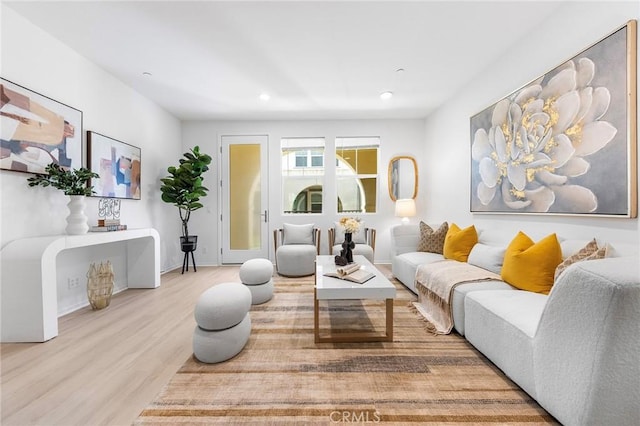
222	306
256	275
224	326
217	346
261	293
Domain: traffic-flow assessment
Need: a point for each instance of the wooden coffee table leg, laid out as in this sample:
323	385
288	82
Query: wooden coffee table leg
389	319
316	319
356	336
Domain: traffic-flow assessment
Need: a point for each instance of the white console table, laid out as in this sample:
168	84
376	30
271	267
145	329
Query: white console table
29	299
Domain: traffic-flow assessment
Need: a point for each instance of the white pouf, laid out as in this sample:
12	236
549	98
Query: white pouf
261	293
256	275
256	271
217	346
222	306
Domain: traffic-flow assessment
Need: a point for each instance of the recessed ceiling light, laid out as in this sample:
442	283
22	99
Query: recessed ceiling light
264	97
147	74
386	95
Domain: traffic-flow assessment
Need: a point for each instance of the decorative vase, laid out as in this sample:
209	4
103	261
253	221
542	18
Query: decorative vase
100	285
347	247
77	220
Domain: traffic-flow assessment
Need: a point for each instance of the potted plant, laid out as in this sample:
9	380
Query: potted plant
183	188
75	184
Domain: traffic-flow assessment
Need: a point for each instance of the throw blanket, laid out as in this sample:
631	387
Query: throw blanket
435	283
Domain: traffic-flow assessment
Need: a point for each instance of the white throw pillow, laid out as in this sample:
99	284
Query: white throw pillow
297	234
487	257
358	238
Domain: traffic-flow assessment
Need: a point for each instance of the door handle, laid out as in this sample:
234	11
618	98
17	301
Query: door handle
266	216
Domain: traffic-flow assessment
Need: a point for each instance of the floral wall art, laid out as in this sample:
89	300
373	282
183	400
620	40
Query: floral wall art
566	142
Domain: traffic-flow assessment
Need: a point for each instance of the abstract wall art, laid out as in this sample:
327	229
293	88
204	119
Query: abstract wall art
36	130
566	143
117	163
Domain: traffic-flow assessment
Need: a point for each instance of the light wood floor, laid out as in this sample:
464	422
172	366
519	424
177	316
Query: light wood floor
106	366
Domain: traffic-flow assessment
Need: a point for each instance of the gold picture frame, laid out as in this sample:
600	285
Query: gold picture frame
566	143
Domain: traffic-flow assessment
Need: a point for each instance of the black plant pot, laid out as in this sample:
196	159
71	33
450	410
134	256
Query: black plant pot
188	245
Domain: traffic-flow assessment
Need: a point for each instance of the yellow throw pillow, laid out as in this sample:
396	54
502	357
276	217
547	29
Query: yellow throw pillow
459	242
531	266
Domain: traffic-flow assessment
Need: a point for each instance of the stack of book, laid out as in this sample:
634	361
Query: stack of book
106	225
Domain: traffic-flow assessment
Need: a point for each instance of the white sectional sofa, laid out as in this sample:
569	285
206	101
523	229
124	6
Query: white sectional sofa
576	350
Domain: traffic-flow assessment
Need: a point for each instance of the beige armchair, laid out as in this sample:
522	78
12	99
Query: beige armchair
365	242
296	248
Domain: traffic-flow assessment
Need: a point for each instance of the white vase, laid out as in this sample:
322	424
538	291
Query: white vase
77	220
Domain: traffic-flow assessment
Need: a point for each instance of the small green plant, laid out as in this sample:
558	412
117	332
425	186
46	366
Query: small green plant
183	188
71	182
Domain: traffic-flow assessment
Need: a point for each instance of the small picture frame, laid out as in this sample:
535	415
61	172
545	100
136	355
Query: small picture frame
117	163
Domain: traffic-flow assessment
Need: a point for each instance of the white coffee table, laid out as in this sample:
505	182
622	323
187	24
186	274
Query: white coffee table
328	288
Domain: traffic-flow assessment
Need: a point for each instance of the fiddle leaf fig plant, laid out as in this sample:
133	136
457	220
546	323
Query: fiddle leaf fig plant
183	187
71	182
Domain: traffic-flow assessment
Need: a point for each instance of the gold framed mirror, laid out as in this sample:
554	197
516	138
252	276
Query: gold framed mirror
403	177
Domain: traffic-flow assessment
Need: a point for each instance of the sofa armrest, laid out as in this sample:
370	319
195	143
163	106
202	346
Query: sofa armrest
404	239
586	350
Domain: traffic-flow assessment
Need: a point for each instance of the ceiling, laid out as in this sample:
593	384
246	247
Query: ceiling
210	60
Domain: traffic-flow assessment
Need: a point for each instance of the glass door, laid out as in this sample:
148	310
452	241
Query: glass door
245	191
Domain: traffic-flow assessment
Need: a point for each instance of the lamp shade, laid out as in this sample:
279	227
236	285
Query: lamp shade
405	207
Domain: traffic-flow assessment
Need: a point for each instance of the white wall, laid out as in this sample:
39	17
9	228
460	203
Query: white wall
445	181
34	59
398	137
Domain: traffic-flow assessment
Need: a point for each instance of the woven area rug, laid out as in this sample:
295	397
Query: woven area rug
283	377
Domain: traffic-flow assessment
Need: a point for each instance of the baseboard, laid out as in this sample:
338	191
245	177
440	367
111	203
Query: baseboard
81	305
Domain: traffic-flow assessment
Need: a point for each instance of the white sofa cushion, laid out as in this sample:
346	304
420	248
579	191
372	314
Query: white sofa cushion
487	257
501	324
404	238
404	266
460	292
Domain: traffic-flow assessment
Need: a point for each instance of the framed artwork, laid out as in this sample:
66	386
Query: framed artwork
118	165
36	130
566	143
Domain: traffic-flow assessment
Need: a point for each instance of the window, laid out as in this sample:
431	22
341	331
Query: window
357	174
317	158
313	157
302	174
301	159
